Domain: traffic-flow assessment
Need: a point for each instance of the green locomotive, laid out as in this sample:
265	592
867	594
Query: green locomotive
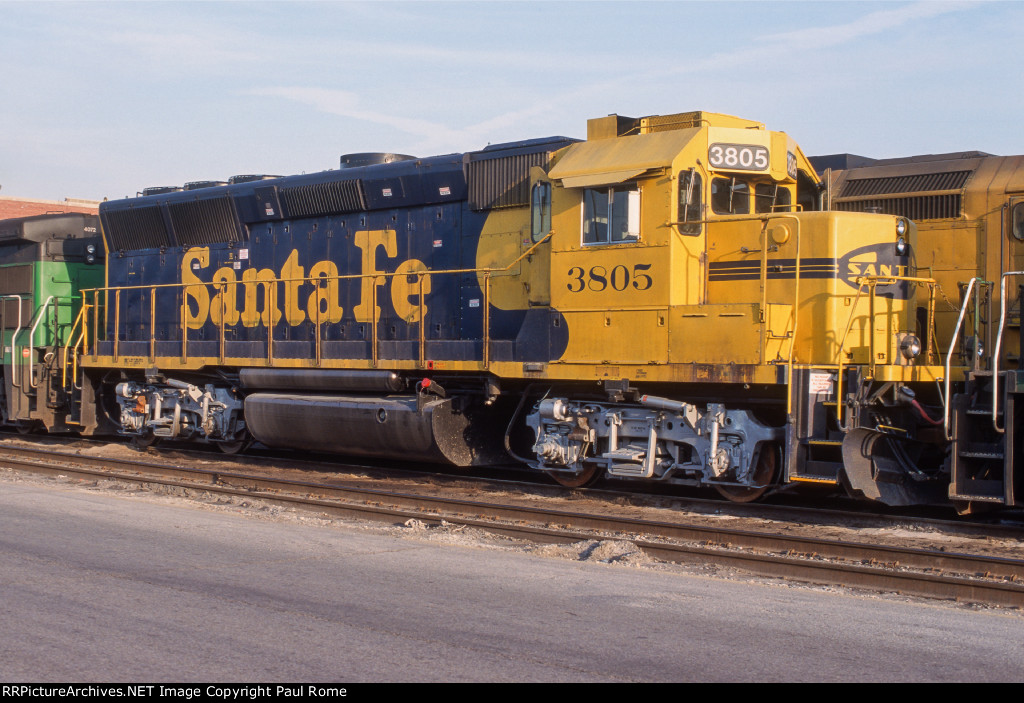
45	260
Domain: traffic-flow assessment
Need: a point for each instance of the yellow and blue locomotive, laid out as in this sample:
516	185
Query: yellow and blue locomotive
665	300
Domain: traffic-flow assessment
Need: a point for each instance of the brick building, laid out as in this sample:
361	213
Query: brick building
26	207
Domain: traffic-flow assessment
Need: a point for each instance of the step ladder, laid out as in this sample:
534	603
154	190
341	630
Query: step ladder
983	460
986	421
815	444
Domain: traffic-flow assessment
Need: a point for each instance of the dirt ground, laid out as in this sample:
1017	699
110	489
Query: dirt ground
615	550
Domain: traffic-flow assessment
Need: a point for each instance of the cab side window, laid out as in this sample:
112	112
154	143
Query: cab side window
730	196
611	215
1017	216
808	196
691	208
771	197
540	210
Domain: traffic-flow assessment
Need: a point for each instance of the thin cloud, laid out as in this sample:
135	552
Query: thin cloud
435	135
816	38
347	104
871	23
183	49
432	136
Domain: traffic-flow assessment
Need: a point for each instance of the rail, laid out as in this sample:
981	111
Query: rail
796	302
764	218
57	303
17	360
36	318
872	282
271	314
72	352
998	349
952	346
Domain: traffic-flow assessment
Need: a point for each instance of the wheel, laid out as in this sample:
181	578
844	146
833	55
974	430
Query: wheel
29	427
235	447
588	477
764	476
141	441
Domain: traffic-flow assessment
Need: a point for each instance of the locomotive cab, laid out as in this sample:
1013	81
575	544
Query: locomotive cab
683	262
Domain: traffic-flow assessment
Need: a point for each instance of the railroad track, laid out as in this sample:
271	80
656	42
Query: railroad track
910	571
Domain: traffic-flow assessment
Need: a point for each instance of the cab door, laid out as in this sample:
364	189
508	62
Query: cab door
610	270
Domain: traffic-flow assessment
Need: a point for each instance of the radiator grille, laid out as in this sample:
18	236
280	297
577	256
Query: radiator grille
322	198
16	279
920	183
203	221
923	196
9	313
136	228
920	207
504	181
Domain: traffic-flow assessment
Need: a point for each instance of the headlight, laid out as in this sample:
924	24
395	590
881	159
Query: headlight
90	248
901	226
910	347
901	247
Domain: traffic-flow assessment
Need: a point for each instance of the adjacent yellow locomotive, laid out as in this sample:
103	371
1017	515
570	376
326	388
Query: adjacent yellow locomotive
666	301
969	208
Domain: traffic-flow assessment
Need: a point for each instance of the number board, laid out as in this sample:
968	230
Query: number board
738	157
791	164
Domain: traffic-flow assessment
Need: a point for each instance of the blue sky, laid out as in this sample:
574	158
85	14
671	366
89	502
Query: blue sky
101	99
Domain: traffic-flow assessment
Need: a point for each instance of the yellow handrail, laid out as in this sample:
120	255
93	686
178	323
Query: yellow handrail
71	335
872	282
152	324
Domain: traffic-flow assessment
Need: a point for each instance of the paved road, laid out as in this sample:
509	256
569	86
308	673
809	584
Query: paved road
98	587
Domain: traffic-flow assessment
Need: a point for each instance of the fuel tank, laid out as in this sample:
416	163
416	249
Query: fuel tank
321	380
391	426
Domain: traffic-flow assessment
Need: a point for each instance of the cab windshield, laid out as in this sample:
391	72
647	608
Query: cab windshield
732	196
